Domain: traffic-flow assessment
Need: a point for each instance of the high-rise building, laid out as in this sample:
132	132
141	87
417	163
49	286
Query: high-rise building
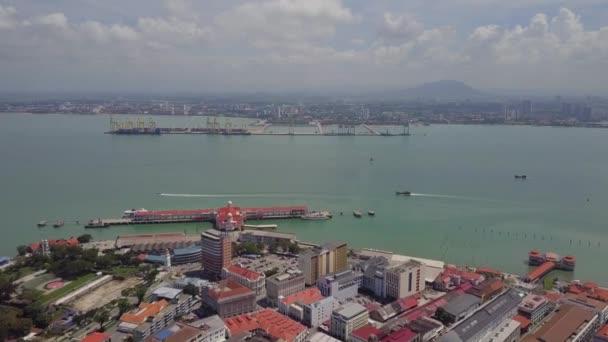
318	261
404	280
342	285
526	108
216	251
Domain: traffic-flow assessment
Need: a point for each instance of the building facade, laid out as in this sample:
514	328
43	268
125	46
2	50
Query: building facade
321	260
506	332
404	280
253	280
534	307
283	285
341	285
318	312
216	251
229	298
266	238
346	319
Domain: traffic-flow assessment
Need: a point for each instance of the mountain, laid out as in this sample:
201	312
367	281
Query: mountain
444	90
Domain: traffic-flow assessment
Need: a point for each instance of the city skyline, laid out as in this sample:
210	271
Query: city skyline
287	45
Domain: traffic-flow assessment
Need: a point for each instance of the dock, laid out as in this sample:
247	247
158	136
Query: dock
547	263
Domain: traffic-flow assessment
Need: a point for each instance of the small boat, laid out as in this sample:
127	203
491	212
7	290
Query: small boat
357	213
371	159
41	224
317	215
521	177
371	213
58	224
404	193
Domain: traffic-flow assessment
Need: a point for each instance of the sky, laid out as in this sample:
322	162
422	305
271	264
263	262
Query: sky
301	45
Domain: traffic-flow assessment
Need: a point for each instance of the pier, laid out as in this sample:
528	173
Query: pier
547	263
225	218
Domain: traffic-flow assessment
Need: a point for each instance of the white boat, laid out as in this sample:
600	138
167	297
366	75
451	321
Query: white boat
132	212
316	215
41	223
357	213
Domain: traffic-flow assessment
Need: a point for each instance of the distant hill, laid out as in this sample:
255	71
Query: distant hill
444	90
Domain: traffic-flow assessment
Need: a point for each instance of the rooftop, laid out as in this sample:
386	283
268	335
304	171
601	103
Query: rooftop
272	322
194	281
571	298
186	251
531	302
463	274
496	309
167	292
285	277
243	272
566	322
461	304
350	310
279	235
342	277
366	331
144	311
523	321
401	335
96	337
227	288
307	296
209	323
406	266
602	334
62	242
321	337
174	333
503	331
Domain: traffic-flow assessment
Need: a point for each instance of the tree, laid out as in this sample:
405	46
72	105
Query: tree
191	290
101	317
84	238
140	293
293	248
6	286
123	306
78	319
273	248
151	276
22	250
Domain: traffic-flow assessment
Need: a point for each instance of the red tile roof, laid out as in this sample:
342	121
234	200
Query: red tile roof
365	332
63	242
96	337
228	288
145	310
243	272
540	270
272	322
553	297
603	331
523	321
308	296
464	275
401	335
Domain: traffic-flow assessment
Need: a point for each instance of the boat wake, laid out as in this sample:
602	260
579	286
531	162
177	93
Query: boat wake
444	196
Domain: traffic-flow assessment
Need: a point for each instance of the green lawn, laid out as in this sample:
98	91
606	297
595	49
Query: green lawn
124	271
53	296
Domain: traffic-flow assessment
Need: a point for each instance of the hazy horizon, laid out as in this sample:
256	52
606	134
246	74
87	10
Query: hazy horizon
279	46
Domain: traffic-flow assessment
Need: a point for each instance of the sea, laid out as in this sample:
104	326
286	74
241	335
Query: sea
466	206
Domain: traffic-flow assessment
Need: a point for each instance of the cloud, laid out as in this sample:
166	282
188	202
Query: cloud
279	44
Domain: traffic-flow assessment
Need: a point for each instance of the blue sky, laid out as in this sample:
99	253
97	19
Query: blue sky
277	45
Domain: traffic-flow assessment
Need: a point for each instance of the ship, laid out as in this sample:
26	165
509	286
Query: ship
133	212
357	213
41	224
404	193
371	213
317	215
521	177
58	224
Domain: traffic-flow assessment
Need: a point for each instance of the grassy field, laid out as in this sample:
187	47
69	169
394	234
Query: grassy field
53	296
124	271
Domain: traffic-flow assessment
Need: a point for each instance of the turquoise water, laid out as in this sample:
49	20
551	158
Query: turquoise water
467	207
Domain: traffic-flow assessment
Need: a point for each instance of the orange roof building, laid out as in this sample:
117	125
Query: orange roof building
253	280
145	310
229	298
523	321
97	337
602	335
271	322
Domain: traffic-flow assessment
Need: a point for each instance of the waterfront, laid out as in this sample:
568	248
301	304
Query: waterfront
467	207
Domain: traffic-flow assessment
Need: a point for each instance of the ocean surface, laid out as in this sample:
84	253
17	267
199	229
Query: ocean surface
467	208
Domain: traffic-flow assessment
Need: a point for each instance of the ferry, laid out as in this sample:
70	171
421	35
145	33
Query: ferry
58	224
132	212
41	224
404	193
371	213
317	215
357	214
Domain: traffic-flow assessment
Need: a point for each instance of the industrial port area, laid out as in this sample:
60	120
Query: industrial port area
242	282
212	126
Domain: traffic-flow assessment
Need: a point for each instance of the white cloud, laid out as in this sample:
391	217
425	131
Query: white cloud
270	43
